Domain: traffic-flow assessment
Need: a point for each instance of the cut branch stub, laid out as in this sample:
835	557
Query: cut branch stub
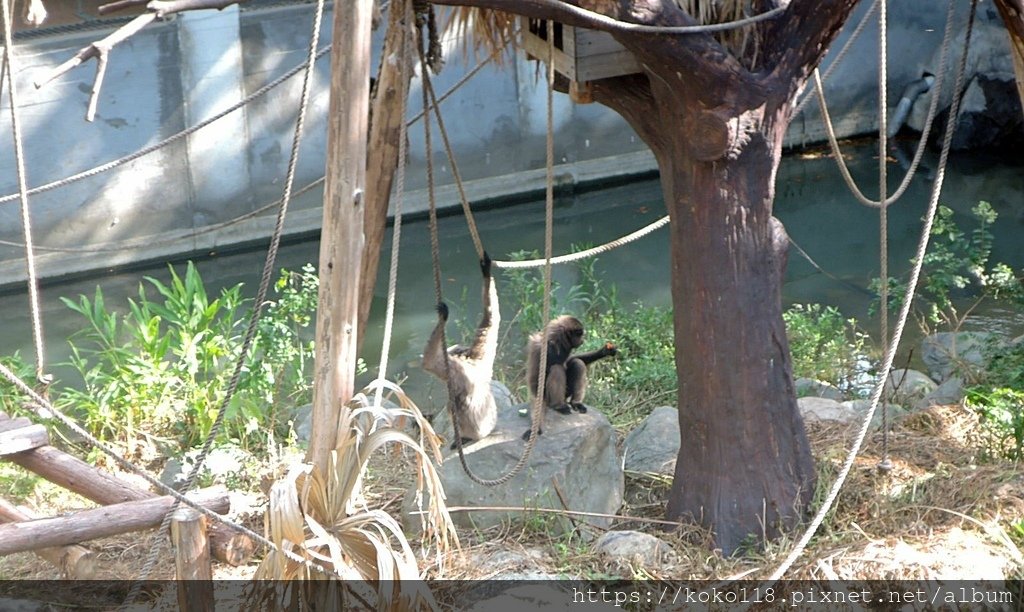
709	135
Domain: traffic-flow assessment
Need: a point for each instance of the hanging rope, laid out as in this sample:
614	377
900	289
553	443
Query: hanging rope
261	296
904	314
26	217
883	181
625	26
925	130
396	235
435	258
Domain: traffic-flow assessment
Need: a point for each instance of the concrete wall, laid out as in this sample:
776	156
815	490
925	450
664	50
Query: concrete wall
175	74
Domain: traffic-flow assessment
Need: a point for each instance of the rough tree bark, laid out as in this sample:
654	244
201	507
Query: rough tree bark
715	123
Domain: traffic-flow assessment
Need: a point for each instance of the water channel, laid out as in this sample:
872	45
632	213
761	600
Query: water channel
812	201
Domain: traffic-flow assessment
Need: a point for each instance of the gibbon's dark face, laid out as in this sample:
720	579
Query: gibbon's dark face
576	336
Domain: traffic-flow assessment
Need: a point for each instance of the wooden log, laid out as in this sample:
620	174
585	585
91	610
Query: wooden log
74	561
100	522
23	438
192	561
73	474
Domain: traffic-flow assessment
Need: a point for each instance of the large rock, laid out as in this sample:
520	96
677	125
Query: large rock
635	548
577	451
654	445
849	412
815	388
948	353
990	113
949	392
908	385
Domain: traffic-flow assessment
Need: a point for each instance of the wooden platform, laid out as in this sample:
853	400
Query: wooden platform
20	434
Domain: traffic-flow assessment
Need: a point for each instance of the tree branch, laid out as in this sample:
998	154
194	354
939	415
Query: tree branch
794	48
99	50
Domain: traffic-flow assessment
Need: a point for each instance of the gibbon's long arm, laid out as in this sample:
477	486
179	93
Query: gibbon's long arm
485	344
434	355
608	350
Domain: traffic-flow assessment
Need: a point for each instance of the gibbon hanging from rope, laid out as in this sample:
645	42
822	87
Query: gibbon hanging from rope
468	369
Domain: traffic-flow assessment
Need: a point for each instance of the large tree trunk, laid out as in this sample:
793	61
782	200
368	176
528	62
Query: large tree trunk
744	467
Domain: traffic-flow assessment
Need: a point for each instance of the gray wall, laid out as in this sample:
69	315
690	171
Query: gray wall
175	74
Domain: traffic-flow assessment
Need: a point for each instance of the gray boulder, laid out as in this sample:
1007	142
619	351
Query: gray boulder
636	547
809	387
654	445
907	384
948	353
849	412
949	392
577	451
990	113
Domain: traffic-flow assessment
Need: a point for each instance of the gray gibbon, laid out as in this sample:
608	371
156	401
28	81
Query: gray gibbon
565	383
469	367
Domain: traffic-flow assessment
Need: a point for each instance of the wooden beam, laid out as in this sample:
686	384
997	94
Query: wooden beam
341	236
100	522
192	561
23	438
94	484
74	561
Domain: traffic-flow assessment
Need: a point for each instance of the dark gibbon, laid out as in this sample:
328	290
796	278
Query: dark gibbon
565	383
469	367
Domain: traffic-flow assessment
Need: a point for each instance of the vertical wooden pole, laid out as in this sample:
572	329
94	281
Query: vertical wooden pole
192	561
341	237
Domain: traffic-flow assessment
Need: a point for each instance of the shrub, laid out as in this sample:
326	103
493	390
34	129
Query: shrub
827	346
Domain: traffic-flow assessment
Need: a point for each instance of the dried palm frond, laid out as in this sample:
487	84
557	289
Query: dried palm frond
485	30
322	517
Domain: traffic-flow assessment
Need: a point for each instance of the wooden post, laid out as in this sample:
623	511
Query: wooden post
192	561
94	484
74	561
100	522
341	237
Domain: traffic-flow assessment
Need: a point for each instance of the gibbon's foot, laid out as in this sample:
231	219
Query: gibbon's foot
526	436
465	441
485	265
563	409
579	407
442	311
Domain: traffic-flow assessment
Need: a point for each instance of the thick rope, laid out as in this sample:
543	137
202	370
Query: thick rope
396	235
925	131
617	25
438	293
45	409
890	352
26	218
261	294
466	210
883	183
571	257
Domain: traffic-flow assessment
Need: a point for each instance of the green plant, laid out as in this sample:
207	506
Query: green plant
956	266
998	399
826	346
10	398
160	371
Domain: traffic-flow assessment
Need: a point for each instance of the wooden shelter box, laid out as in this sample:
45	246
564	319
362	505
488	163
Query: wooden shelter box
581	55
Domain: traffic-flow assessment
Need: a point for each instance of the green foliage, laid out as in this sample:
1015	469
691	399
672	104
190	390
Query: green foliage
957	262
998	398
161	370
10	398
826	346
